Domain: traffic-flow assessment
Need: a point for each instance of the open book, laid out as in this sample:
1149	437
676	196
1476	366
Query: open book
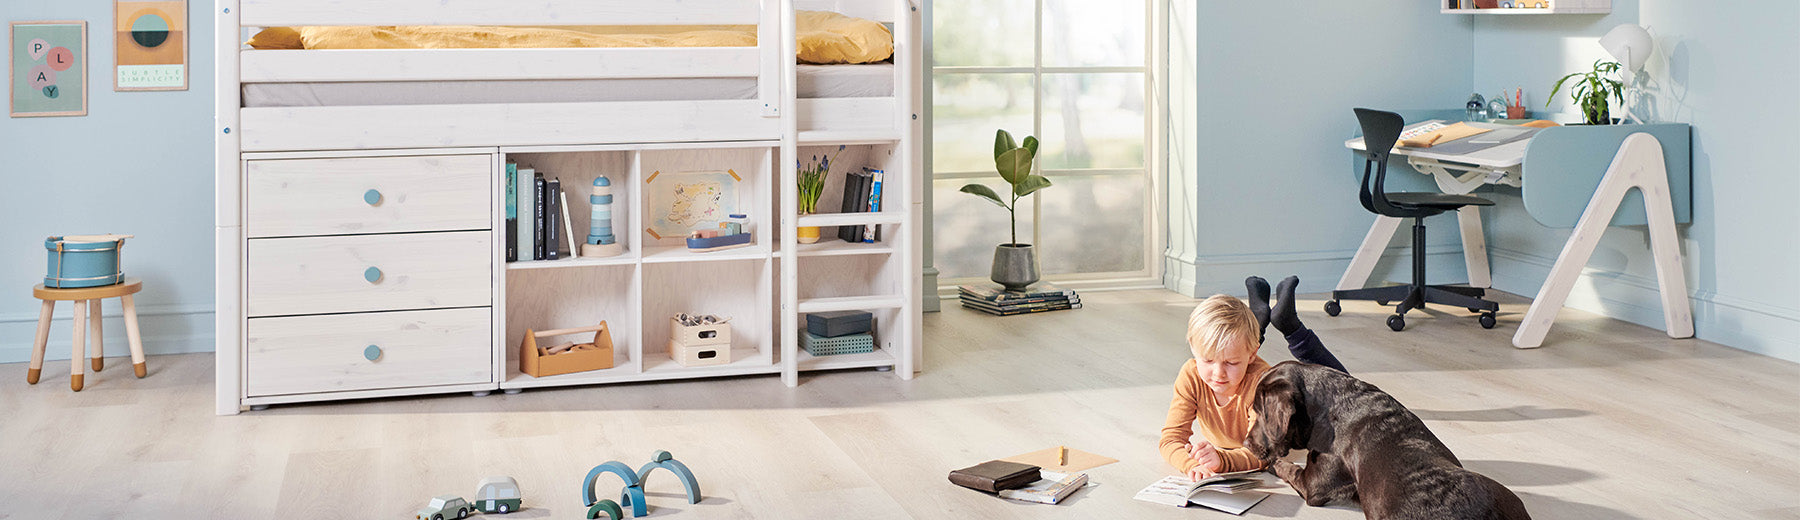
1050	489
1178	491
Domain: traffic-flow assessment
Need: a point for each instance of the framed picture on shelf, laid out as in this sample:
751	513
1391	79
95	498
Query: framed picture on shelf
677	203
48	69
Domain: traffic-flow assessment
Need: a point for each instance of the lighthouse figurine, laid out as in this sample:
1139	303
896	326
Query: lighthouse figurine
600	239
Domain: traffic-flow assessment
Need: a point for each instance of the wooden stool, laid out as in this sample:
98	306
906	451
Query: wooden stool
83	321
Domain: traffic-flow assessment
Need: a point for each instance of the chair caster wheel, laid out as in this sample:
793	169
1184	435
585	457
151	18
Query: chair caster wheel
1396	322
1487	320
1476	309
1332	308
1381	302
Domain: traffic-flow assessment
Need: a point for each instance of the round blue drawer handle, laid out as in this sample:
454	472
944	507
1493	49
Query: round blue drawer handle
372	274
372	197
372	353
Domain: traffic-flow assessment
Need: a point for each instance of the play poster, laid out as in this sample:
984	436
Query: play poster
48	73
150	45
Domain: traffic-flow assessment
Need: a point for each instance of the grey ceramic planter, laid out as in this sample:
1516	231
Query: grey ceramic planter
1015	266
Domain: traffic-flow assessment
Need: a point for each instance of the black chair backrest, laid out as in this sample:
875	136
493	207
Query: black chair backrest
1381	129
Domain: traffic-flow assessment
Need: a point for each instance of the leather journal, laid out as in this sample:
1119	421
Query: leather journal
995	475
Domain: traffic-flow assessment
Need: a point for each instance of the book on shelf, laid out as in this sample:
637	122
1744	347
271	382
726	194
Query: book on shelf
1051	487
995	293
512	211
568	225
872	233
553	223
526	190
537	217
1227	492
857	186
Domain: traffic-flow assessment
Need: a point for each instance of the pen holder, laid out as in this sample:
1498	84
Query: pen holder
1517	112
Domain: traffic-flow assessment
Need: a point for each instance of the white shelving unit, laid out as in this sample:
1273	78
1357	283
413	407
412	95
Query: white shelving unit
1554	7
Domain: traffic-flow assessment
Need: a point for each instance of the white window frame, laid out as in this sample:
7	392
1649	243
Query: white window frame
1155	143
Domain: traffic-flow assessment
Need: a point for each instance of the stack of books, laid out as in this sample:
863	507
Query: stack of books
1042	297
537	217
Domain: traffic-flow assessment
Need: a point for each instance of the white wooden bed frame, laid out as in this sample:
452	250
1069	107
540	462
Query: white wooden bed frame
775	118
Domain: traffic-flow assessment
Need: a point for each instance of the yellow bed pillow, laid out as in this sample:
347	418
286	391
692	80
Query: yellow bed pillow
826	37
276	38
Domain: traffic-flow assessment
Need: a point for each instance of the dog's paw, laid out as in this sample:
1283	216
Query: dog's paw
1288	471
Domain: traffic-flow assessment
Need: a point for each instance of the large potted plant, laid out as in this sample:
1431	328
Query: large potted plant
1015	263
1591	90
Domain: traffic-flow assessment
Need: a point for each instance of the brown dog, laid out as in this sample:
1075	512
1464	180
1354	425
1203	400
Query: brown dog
1367	448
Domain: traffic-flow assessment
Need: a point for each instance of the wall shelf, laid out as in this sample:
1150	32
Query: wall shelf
1556	7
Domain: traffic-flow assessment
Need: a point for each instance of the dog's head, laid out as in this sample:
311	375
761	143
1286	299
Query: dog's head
1282	423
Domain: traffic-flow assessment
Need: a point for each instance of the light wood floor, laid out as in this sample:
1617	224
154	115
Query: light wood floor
1608	420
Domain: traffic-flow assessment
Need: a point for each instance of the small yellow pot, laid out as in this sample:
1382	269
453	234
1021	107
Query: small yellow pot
807	234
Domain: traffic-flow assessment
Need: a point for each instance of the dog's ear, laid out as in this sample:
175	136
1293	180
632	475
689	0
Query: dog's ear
1274	407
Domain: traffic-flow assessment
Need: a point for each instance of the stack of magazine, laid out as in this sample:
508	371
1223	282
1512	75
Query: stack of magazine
995	300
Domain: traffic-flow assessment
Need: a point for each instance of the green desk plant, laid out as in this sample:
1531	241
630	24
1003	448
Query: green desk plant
1015	264
1591	90
811	185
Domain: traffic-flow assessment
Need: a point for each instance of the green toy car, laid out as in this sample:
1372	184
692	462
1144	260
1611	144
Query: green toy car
446	506
497	495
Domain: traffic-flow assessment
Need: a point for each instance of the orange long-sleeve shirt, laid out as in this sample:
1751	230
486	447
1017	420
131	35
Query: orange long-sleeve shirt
1224	426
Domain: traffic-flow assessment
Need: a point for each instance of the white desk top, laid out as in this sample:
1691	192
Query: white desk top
1507	155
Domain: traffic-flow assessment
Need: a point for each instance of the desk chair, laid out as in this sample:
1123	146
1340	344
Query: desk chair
1380	131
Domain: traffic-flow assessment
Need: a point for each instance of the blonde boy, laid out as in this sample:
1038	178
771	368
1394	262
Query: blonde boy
1215	389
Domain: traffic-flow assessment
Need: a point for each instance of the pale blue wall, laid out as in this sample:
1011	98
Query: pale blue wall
139	163
1276	82
1728	68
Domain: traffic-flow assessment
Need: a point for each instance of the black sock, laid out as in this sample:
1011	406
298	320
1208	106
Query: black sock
1259	302
1283	316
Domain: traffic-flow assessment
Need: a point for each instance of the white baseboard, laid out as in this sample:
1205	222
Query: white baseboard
165	329
1319	271
1757	327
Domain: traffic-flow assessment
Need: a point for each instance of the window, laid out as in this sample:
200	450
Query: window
1074	73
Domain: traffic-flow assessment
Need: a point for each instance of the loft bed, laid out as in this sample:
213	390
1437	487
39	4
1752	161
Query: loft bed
285	100
295	129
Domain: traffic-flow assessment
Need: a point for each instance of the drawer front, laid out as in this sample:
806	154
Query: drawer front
307	354
302	197
317	275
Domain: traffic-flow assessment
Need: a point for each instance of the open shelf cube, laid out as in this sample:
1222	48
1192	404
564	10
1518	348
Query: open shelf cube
543	299
577	171
742	290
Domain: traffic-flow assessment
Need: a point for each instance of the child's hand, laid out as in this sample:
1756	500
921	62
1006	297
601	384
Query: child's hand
1204	453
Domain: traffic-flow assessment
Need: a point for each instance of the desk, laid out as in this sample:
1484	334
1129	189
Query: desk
1573	183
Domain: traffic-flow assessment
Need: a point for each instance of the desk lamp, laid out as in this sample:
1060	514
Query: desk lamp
1631	45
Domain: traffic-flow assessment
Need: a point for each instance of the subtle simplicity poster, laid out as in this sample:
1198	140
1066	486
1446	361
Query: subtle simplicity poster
48	73
150	46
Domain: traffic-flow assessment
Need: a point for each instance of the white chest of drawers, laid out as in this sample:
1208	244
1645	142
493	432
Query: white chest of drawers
366	277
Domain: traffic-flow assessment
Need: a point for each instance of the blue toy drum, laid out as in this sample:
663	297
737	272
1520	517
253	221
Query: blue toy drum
84	261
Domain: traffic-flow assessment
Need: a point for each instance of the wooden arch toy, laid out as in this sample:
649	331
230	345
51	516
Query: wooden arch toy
662	459
634	489
606	505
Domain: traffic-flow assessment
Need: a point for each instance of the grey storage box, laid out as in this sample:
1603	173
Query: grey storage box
839	323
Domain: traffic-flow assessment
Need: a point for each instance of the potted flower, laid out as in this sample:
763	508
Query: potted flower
1015	264
1591	91
812	184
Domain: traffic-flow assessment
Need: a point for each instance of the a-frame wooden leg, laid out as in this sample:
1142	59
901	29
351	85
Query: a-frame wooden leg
1638	164
1474	243
1373	245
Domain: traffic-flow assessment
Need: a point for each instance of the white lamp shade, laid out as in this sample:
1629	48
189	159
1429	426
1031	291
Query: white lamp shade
1630	44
